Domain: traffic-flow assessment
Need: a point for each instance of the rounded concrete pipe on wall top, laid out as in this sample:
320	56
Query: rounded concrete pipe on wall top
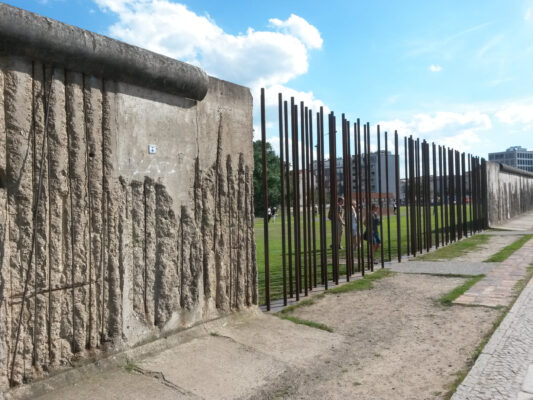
30	35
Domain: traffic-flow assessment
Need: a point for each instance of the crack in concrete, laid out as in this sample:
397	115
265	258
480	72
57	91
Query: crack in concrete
160	377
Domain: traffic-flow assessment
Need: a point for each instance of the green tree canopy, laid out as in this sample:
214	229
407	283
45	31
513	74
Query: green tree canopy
274	180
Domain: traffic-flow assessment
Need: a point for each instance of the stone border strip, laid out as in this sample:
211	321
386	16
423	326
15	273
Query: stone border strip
496	289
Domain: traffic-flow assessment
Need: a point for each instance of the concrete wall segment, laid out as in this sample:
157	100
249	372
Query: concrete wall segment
510	193
129	245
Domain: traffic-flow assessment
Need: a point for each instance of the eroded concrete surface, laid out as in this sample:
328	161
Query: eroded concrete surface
128	245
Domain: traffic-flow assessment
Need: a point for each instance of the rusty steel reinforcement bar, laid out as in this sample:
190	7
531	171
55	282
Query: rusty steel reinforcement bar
30	35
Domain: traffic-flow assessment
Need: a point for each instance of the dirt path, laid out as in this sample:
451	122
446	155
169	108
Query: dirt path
399	343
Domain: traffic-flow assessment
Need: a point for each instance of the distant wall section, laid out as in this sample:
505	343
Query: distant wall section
509	191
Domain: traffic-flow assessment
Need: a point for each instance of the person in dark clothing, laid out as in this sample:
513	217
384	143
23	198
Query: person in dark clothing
375	221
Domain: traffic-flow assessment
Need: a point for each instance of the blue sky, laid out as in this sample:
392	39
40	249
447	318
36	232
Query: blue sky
459	73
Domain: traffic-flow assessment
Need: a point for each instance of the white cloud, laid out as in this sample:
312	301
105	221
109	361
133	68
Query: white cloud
516	113
300	28
271	97
457	130
256	58
435	68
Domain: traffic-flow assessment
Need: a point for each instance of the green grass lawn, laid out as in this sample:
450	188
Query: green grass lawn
275	249
456	249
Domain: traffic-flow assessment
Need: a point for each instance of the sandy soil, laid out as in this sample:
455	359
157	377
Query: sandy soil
399	343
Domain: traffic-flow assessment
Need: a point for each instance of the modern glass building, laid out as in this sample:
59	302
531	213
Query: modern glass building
516	156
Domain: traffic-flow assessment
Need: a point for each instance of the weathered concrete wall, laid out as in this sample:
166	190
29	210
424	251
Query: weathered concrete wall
127	245
509	191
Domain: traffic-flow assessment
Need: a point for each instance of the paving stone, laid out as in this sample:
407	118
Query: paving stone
504	370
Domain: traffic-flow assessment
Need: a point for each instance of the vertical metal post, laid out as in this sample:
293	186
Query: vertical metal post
387	195
452	195
446	197
435	198
458	195
484	193
441	195
407	196
288	196
313	203
418	196
282	205
333	197
398	216
360	198
428	200
412	201
265	194
322	201
380	197
296	200
463	184
303	196
470	198
356	167
369	225
347	196
309	215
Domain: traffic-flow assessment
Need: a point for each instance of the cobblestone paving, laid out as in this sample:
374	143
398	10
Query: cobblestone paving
496	289
504	370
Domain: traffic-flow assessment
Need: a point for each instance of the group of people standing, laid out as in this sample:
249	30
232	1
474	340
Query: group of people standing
375	221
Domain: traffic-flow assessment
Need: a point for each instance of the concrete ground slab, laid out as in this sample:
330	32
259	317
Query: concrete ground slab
117	385
281	339
214	367
522	223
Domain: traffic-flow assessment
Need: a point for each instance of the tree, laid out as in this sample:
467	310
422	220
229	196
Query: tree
273	182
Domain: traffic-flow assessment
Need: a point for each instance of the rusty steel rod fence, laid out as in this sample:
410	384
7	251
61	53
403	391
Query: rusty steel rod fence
383	208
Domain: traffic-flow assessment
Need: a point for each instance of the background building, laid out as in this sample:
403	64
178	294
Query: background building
374	173
515	156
